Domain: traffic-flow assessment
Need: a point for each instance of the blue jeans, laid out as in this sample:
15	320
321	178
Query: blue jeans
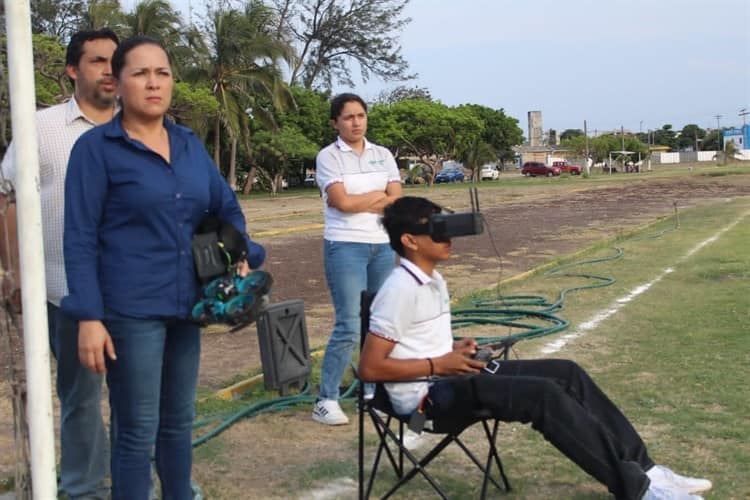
350	268
152	395
83	437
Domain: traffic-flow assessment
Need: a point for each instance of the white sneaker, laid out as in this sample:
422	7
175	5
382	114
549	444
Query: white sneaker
666	478
328	412
413	441
657	493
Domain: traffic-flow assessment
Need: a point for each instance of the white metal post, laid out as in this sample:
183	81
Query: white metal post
31	253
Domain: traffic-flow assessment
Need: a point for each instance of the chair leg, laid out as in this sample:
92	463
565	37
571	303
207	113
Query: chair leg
492	453
480	466
388	436
384	433
419	468
361	446
382	427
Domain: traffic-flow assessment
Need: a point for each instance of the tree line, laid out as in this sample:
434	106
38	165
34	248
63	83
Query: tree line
690	138
253	80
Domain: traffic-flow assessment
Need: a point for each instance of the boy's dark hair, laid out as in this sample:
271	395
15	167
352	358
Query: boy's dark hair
118	58
404	216
338	102
75	46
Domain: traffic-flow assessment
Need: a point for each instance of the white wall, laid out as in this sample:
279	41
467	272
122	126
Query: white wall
692	156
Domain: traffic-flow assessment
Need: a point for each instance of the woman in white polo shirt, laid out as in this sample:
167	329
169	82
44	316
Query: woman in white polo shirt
357	180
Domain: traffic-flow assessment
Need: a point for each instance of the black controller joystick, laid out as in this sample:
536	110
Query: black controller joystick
483	355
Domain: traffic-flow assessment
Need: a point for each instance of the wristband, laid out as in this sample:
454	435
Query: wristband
432	367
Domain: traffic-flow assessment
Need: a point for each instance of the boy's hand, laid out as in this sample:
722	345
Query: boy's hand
456	363
467	346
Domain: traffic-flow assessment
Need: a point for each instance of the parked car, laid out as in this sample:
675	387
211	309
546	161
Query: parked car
489	172
310	180
449	175
567	168
534	168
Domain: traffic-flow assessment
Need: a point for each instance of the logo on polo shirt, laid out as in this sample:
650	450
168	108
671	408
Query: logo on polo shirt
376	162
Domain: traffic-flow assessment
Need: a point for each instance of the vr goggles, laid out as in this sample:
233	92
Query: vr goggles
443	226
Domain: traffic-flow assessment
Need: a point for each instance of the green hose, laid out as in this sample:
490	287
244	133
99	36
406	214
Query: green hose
516	311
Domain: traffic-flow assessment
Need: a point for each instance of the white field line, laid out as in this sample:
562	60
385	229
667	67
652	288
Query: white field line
599	317
343	487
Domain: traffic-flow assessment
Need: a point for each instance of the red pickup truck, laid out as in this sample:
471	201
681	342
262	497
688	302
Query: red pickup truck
567	168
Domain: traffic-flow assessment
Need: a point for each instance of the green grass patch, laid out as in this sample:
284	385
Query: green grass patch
723	173
675	358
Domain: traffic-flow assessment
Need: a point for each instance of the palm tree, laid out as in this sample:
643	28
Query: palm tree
476	153
242	65
729	154
103	14
157	19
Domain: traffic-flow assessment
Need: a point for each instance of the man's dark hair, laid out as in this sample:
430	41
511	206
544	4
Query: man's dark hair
75	46
404	216
338	103
118	58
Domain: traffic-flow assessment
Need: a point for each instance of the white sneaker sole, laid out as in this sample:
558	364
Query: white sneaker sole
329	421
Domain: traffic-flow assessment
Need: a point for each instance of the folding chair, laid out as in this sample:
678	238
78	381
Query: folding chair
382	416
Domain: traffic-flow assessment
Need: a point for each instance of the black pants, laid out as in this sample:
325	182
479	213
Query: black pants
563	403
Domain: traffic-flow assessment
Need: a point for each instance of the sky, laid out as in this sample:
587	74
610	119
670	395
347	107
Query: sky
637	64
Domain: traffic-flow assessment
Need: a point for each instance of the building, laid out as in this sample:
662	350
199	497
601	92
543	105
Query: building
739	136
536	136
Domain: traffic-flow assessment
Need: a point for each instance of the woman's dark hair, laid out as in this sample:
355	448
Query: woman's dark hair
404	216
338	102
75	46
118	58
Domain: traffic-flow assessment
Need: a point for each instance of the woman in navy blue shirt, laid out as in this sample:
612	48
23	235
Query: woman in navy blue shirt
136	189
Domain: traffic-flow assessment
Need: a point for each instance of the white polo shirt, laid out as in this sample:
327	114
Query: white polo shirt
58	128
372	171
412	310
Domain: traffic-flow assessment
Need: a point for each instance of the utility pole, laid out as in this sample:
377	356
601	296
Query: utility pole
588	158
743	113
31	252
718	131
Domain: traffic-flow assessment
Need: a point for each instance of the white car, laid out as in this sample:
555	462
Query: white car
489	172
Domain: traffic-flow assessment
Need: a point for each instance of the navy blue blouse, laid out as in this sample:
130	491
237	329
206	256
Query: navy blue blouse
129	222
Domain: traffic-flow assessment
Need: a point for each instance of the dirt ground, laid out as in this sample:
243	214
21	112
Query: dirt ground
525	227
525	231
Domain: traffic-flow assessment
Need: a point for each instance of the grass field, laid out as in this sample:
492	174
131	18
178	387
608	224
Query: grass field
674	356
513	180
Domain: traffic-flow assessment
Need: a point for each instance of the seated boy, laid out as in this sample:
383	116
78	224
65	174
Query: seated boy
410	338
